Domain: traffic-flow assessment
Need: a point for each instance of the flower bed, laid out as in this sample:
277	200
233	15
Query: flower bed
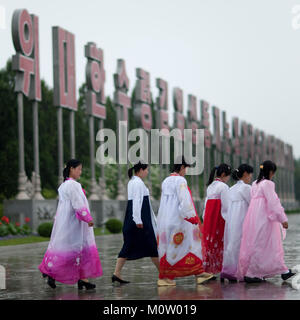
9	230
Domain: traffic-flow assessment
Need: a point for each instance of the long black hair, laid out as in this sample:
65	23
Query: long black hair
180	161
73	163
265	168
136	168
218	170
238	173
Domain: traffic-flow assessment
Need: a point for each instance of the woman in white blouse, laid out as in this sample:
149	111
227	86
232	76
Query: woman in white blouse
139	229
216	206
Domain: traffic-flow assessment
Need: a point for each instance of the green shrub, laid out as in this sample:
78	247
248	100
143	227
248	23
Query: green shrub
49	194
114	225
3	230
12	229
25	230
45	229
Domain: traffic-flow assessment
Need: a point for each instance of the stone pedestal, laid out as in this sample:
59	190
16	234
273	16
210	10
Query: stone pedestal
40	211
2	278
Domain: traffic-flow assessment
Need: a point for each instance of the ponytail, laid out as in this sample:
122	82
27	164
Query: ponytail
238	173
265	168
130	172
136	168
218	170
73	163
212	176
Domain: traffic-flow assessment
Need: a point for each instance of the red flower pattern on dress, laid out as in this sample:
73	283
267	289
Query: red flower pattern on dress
178	238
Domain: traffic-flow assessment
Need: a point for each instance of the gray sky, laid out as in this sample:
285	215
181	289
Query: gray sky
242	56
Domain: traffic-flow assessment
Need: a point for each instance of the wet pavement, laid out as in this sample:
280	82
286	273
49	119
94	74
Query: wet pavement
24	281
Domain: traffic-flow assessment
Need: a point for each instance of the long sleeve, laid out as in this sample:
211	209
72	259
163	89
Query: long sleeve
246	193
78	202
275	209
224	201
186	208
137	202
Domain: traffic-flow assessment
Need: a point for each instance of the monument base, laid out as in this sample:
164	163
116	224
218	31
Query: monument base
40	211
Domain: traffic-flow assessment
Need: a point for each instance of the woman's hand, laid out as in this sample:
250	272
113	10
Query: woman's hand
140	226
285	224
91	223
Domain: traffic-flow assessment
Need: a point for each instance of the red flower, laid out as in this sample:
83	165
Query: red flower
5	219
0	223
27	219
17	224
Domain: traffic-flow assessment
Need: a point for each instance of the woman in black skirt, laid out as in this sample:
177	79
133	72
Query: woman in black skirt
139	229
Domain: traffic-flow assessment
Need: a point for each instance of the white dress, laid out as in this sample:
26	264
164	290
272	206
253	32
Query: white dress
179	240
72	253
239	199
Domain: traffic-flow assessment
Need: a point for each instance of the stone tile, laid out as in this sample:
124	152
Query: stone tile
24	281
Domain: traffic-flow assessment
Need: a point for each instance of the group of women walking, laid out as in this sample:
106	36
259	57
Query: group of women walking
240	237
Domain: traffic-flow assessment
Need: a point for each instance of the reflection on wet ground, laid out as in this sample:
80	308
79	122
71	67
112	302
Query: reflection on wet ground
24	280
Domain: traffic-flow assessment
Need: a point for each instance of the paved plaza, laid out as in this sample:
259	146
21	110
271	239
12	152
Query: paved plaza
24	281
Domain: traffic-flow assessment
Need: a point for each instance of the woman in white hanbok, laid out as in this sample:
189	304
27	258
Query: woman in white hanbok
179	231
72	255
238	203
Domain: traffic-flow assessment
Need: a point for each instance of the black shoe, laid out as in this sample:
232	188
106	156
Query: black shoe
253	280
85	284
51	282
115	278
230	278
44	275
286	276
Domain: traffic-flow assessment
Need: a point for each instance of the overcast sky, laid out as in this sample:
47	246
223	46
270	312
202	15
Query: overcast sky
242	56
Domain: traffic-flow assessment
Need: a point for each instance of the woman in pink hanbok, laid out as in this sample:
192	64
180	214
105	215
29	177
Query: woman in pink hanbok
261	252
72	255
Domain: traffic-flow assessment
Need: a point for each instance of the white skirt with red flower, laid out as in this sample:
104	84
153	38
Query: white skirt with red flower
179	234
